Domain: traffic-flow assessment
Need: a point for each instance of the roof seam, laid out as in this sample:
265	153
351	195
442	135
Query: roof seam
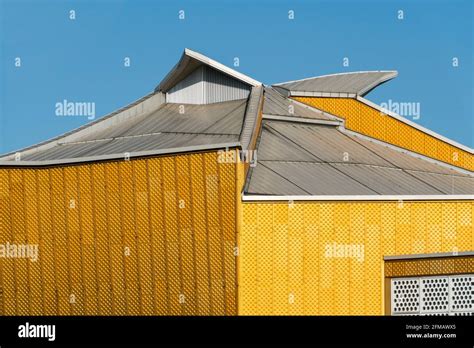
393	164
291	182
340	171
116	156
142	135
405	151
367	165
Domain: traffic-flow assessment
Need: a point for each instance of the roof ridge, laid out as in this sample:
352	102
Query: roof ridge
190	56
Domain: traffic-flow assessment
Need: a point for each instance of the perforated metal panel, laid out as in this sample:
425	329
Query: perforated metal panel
462	294
314	280
434	295
442	295
152	236
405	296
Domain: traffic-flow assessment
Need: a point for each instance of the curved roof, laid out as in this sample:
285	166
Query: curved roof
345	84
163	126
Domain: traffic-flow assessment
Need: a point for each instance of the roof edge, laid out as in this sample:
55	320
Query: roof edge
306	120
123	156
88	126
428	256
267	198
390	74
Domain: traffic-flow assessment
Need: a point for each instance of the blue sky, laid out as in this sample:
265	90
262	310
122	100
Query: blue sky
82	59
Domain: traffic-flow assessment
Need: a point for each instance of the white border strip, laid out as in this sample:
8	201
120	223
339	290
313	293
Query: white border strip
268	198
301	120
216	65
415	125
427	256
175	150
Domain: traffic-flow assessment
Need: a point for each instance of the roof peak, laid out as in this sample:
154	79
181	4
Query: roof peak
189	61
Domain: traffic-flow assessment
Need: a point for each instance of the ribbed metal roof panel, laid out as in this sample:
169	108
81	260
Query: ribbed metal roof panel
218	118
166	127
315	178
449	184
387	181
274	147
353	82
128	145
311	158
325	143
402	160
267	182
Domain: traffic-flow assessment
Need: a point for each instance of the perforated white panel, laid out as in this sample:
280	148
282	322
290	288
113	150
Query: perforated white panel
441	295
462	293
434	295
405	296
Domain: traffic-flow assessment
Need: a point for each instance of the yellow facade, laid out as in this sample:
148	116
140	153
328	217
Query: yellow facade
366	120
284	264
171	236
150	236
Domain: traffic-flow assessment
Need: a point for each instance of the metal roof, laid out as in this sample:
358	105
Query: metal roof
169	126
191	60
302	151
311	159
217	118
279	105
345	85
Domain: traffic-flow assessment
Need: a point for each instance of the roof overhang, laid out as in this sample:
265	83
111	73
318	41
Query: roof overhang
372	80
191	60
428	256
120	156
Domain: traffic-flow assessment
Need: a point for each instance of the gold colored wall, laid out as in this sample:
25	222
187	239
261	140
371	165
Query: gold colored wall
284	267
364	119
145	236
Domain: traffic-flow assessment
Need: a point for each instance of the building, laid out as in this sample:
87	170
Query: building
218	195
